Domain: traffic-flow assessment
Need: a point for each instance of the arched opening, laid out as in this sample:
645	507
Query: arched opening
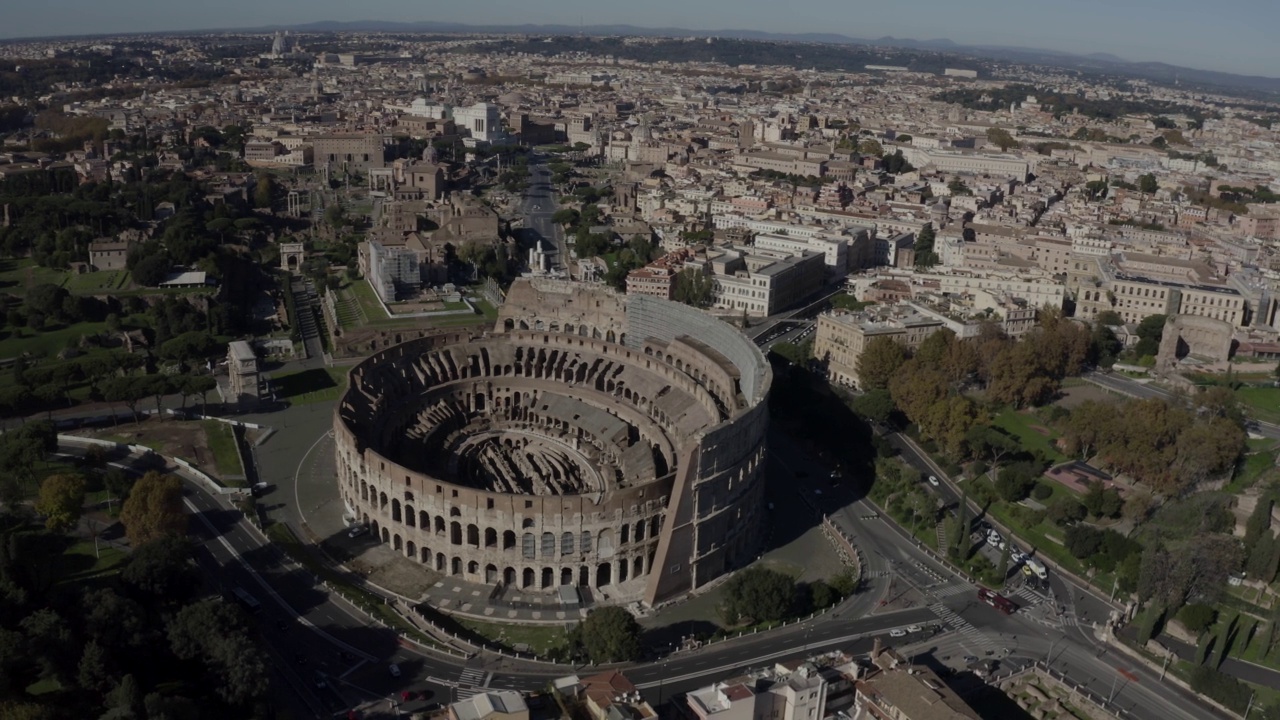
426	555
640	531
473	568
622	570
440	524
604	543
509	576
508	539
490	538
455	533
604	574
566	576
508	325
455	566
490	574
548	577
584	576
566	543
395	510
548	544
529	577
424	520
410	549
473	536
382	501
440	562
624	534
396	542
386	536
637	567
410	517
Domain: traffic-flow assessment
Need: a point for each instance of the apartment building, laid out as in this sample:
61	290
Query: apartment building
842	335
761	283
894	689
778	693
389	269
349	152
834	250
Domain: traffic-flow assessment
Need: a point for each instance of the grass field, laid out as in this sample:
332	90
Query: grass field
14	342
1021	426
222	443
1263	402
310	386
541	639
107	281
80	562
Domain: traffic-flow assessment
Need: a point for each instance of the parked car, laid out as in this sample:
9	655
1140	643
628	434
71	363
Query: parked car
897	633
357	531
914	628
394	669
933	480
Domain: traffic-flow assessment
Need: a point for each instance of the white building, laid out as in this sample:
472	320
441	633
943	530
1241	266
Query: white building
482	120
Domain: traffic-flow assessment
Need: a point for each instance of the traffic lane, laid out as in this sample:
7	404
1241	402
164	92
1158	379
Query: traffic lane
1148	698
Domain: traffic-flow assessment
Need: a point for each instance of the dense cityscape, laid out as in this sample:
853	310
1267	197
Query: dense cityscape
495	376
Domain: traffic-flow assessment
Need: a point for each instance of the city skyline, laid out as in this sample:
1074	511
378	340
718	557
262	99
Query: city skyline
1229	36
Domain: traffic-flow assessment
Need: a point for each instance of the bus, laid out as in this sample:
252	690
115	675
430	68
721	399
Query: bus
249	602
997	601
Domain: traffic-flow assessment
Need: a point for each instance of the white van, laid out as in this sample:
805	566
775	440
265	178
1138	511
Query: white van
1037	568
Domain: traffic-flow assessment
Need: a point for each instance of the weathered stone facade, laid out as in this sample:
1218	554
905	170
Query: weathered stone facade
589	439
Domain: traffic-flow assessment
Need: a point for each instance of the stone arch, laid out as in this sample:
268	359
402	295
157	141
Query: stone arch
490	574
439	525
508	325
424	520
604	543
639	531
395	510
637	567
508	539
473	568
455	512
426	555
528	579
622	570
455	566
410	549
509	576
604	574
440	562
473	535
584	576
566	576
396	542
455	533
386	535
566	543
382	501
624	534
548	544
548	577
410	517
490	538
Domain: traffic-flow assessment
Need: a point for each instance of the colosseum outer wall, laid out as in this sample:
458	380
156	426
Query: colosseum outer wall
676	532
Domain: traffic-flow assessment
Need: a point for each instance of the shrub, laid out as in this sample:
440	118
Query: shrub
1041	491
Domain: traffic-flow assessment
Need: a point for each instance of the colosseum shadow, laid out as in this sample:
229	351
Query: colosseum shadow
610	445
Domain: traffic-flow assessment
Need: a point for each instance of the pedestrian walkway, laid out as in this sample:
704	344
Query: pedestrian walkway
472	681
962	626
950	589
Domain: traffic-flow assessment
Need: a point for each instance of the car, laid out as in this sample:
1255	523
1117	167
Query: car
817	491
394	669
897	633
970	659
259	489
320	681
357	531
1016	555
914	628
933	480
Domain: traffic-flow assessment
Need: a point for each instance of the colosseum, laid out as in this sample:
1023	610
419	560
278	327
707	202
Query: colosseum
589	439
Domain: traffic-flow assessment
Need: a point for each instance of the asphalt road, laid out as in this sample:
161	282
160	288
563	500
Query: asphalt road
539	205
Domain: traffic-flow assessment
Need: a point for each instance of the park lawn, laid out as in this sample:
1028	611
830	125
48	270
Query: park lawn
541	639
1021	425
97	282
80	563
222	443
24	274
1263	402
15	341
310	386
363	293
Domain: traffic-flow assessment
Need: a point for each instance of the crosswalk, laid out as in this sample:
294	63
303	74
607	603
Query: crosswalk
1028	596
472	681
950	589
962	626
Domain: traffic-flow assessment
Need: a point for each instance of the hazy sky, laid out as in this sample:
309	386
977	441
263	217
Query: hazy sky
1230	35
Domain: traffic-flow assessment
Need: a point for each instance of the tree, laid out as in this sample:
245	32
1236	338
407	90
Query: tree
693	287
162	570
152	270
61	501
926	255
1064	512
757	594
1001	138
1150	332
609	634
874	405
213	632
871	146
1096	189
1148	183
881	358
1016	480
154	509
263	191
